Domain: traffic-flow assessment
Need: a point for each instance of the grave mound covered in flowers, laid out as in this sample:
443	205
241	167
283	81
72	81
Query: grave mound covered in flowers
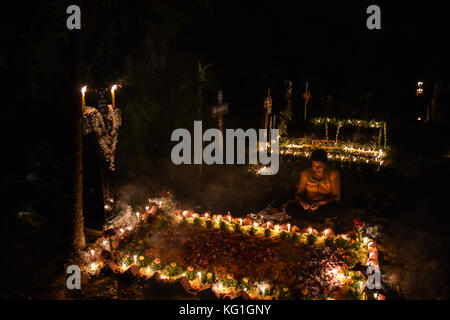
215	256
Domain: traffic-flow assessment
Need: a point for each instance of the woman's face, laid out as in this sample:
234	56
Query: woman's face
318	168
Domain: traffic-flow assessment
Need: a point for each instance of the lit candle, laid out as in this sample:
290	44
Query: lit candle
121	230
92	254
83	102
93	268
199	277
148	270
289	227
206	215
255	224
268	224
147	208
104	244
113	88
124	266
277	227
135	259
365	240
240	221
137	215
309	230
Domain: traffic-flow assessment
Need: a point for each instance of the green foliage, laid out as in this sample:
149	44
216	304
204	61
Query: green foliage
285	235
231	283
224	226
197	222
173	269
311	238
343	243
329	242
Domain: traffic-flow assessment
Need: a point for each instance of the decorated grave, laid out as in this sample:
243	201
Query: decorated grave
375	152
212	256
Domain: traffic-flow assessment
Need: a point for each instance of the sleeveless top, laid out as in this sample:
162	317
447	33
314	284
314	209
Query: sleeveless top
319	187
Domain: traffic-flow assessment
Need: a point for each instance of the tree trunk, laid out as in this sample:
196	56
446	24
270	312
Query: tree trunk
79	240
200	117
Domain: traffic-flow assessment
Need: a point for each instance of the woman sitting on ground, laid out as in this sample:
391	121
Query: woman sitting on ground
318	189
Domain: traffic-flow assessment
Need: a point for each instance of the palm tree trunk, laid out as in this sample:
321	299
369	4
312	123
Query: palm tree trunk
79	240
199	97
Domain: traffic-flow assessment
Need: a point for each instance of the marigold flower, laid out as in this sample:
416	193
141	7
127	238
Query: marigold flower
304	292
157	261
191	268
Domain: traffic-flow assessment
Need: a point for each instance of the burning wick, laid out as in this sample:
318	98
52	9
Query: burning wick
147	208
199	276
240	221
289	227
135	259
229	219
93	254
163	277
184	274
344	236
263	290
206	215
309	230
104	244
184	213
326	232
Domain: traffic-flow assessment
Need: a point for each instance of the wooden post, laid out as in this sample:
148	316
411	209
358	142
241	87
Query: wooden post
306	96
219	111
78	240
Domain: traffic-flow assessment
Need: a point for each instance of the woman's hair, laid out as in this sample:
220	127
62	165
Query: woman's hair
319	155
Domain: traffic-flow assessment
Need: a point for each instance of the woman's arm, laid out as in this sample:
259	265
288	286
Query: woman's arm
335	191
301	188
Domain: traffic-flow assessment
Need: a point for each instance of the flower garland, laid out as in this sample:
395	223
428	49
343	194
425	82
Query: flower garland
106	135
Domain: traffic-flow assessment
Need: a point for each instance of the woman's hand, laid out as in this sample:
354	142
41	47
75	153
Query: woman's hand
305	205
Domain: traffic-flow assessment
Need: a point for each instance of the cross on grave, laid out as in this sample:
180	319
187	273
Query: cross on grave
306	96
267	107
220	110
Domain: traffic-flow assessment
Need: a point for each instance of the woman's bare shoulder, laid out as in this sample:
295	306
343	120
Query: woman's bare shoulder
334	173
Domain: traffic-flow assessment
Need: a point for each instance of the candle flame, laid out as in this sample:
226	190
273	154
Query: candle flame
114	87
309	230
83	90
